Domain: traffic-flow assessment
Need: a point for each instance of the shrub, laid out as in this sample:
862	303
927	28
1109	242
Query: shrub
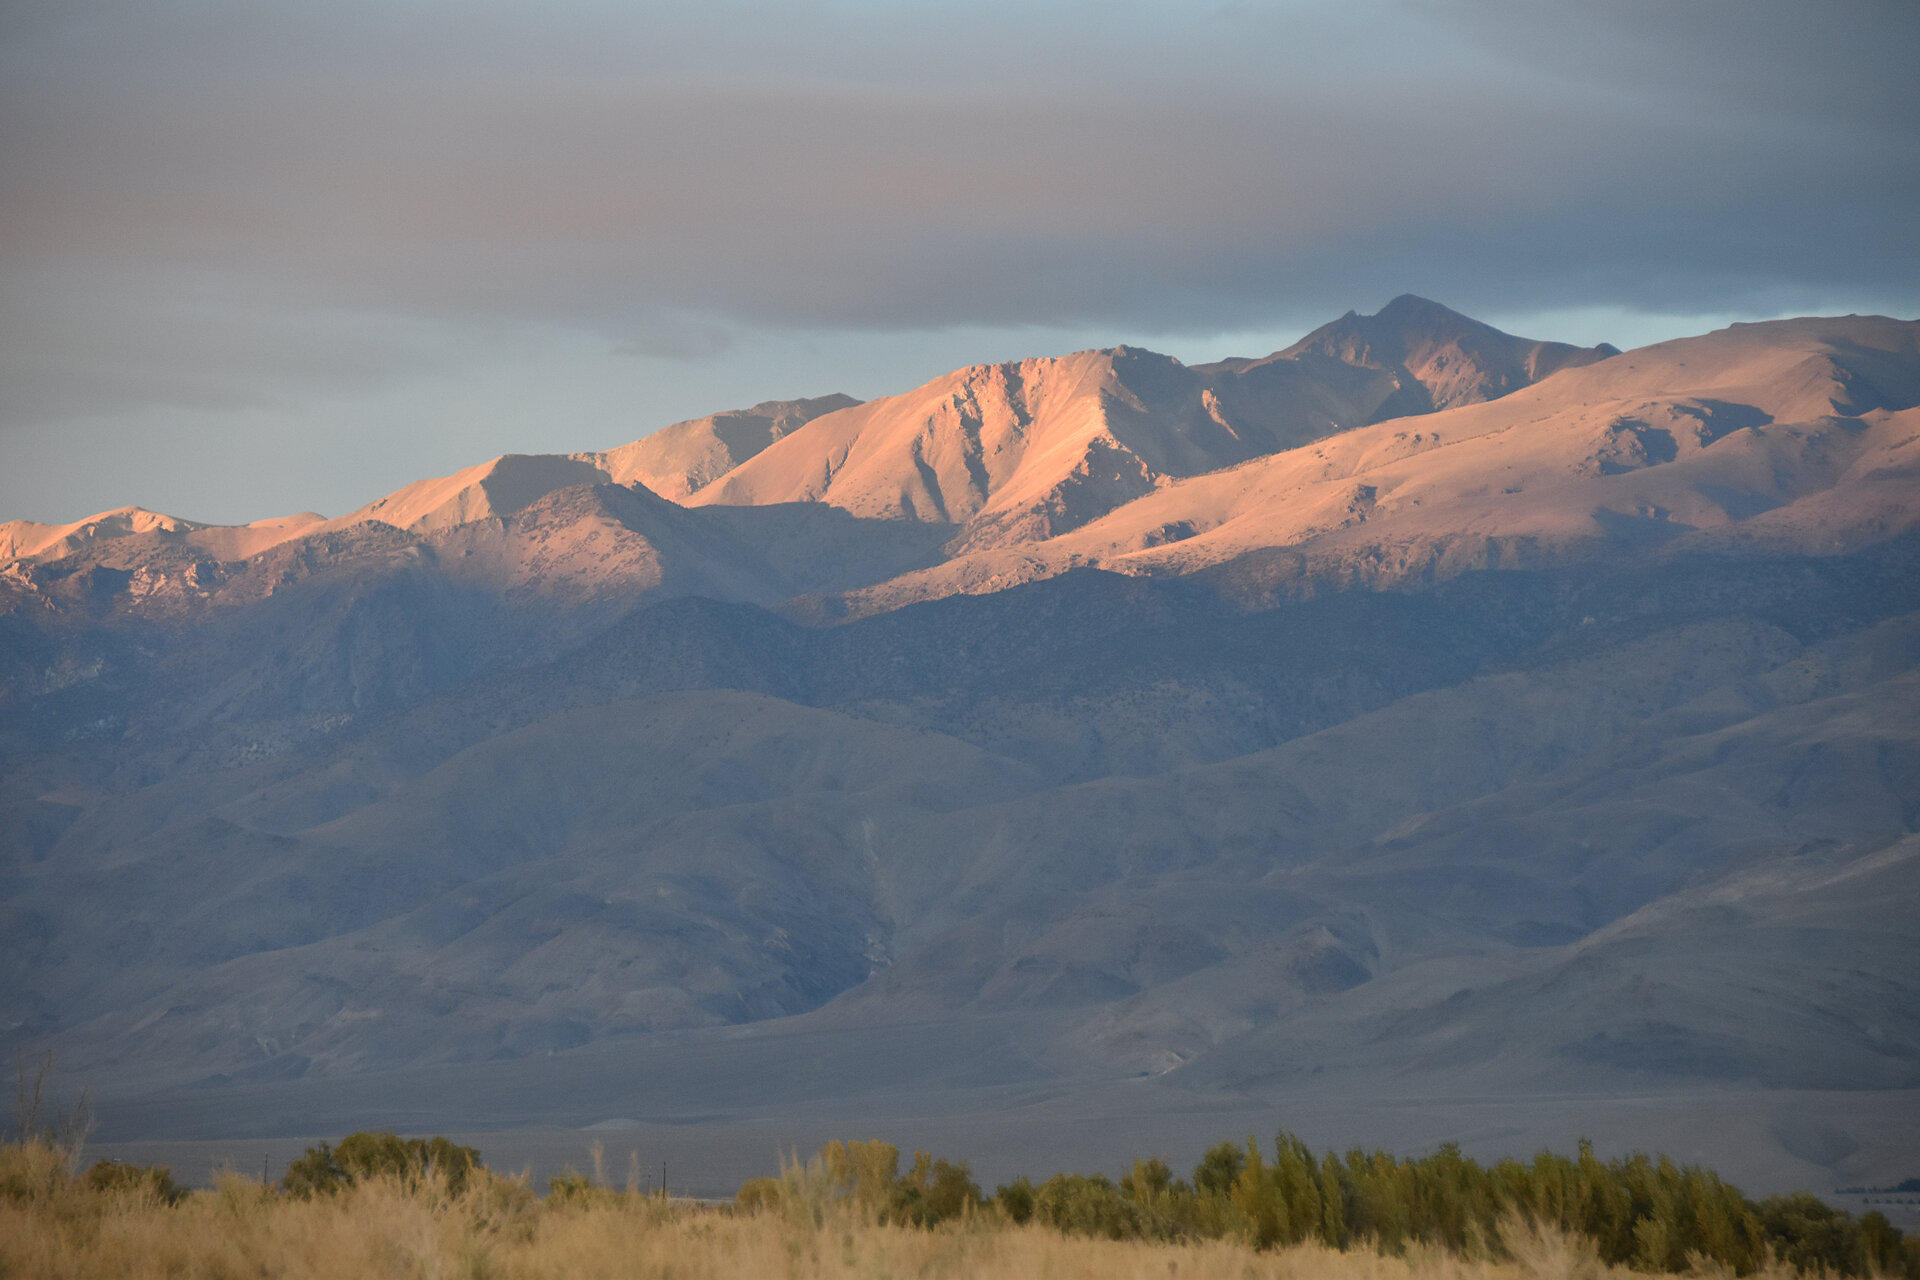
1015	1201
1647	1214
112	1178
314	1173
759	1193
1814	1236
574	1189
368	1155
32	1171
1218	1170
865	1172
1086	1205
323	1168
448	1160
37	1122
933	1191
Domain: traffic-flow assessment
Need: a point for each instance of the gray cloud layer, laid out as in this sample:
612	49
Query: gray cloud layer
205	202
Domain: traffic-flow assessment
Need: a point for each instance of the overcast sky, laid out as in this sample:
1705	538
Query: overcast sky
257	258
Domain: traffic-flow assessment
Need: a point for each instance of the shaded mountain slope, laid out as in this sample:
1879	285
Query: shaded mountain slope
596	855
1782	977
1577	794
484	866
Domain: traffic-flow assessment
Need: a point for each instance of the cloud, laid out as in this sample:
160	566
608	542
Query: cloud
75	343
337	191
665	337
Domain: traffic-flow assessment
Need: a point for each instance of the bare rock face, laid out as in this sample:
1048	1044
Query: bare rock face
1022	452
1436	358
678	461
1752	434
23	540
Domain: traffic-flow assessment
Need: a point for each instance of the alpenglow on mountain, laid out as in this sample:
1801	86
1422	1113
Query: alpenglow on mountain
1417	712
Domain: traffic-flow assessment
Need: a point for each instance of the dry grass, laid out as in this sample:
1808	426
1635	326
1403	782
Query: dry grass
498	1230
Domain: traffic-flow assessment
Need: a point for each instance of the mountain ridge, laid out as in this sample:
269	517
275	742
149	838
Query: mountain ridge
1550	744
1022	451
1118	439
1437	357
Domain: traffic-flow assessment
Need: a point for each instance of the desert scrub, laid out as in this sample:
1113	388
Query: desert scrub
377	1232
848	1212
495	1229
1639	1212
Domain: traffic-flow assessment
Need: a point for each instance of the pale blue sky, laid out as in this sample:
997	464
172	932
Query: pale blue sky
257	259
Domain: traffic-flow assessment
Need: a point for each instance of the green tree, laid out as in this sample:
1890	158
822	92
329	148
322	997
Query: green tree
1813	1236
1016	1200
1218	1170
1880	1242
314	1173
1296	1183
1086	1205
864	1172
1255	1196
1149	1183
1333	1204
933	1191
368	1154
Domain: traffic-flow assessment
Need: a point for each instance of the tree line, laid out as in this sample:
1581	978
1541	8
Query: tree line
1641	1212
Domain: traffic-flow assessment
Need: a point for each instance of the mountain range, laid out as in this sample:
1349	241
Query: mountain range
1416	711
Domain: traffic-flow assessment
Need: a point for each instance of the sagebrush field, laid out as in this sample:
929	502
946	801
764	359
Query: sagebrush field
379	1206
